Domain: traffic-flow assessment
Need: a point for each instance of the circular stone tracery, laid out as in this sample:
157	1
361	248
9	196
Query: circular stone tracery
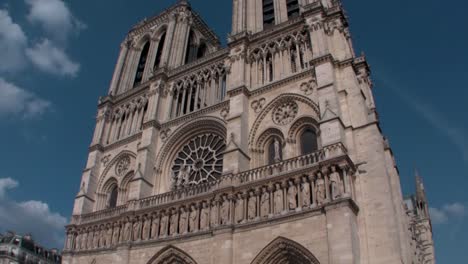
285	113
199	161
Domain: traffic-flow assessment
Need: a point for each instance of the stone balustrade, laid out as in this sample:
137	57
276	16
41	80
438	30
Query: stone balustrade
295	186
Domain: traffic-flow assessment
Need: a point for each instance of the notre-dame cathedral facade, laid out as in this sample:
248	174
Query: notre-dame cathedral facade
267	151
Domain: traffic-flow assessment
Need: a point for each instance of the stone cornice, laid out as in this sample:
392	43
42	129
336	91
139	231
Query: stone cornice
279	29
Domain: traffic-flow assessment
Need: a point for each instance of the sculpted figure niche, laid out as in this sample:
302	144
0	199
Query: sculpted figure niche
155	226
292	196
193	218
335	183
164	222
265	203
225	211
183	221
115	234
321	194
305	188
204	216
239	209
252	206
278	199
146	228
173	223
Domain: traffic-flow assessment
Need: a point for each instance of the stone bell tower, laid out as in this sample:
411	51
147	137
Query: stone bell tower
266	151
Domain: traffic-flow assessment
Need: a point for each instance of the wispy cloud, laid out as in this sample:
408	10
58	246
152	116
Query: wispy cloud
15	101
457	136
447	212
33	217
13	41
55	18
52	59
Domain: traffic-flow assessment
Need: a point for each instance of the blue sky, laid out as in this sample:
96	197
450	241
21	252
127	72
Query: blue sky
57	58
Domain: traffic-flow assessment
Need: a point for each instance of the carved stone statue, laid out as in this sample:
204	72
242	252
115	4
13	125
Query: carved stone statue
115	234
252	206
292	196
183	221
69	241
335	183
84	240
137	230
164	222
265	203
239	209
320	190
102	237
78	242
108	241
214	214
155	227
146	229
225	212
193	219
278	199
305	189
204	215
128	231
122	232
277	150
90	243
173	224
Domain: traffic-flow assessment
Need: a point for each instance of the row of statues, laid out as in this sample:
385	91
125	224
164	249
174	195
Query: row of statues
263	202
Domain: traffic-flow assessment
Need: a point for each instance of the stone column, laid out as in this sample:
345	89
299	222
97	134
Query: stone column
114	87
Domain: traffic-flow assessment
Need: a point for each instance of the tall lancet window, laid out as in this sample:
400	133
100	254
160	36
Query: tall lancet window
191	53
293	8
142	63
157	61
112	202
268	13
309	142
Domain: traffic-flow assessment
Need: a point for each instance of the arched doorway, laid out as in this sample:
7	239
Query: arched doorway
171	255
285	251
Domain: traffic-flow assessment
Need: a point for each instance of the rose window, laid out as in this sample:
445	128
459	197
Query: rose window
199	161
285	113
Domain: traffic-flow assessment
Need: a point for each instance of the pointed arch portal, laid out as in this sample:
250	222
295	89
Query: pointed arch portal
285	251
171	255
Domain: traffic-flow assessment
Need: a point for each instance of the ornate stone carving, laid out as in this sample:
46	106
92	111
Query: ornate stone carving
183	221
258	105
285	113
128	232
164	222
214	214
173	223
224	112
199	161
309	87
123	165
115	234
165	134
137	230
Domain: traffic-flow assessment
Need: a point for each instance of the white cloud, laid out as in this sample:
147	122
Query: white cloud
54	17
13	41
33	217
447	212
17	101
52	59
6	184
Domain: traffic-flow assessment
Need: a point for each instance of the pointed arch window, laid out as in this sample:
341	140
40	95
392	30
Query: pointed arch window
268	13
309	141
201	51
114	193
293	8
159	52
191	53
142	64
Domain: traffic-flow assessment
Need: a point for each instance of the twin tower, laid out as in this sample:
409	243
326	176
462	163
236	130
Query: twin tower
267	151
